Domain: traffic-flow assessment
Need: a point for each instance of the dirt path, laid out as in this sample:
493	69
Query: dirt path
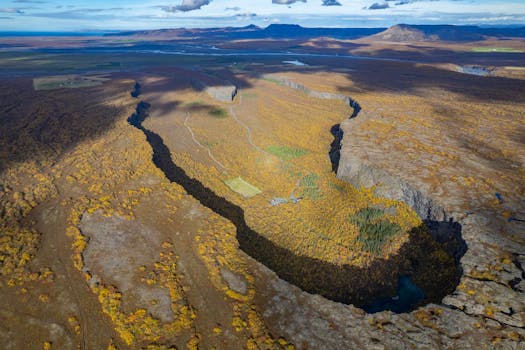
249	131
188	116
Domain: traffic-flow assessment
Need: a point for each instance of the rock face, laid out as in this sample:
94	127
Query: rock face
313	322
317	94
492	283
222	93
219	90
486	311
357	172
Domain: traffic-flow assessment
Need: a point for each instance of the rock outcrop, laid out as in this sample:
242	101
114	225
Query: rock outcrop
219	90
492	283
486	311
317	94
222	93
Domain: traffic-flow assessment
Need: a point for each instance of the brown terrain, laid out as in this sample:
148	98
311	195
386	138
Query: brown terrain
170	202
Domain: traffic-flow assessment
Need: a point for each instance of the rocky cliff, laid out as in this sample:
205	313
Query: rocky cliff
492	283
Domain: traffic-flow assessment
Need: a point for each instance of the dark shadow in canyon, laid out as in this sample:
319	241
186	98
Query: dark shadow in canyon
421	258
448	233
337	133
335	146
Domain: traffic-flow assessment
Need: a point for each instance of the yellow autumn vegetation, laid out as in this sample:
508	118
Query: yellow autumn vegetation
319	224
117	190
218	248
139	326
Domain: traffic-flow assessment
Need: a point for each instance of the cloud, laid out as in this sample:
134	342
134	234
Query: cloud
236	8
84	13
245	15
378	6
286	2
406	2
11	10
186	5
331	3
30	2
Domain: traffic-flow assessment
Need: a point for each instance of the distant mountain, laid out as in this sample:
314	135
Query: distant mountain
397	33
189	32
279	31
296	31
409	33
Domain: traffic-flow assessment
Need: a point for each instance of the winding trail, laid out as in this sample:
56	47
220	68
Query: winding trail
257	148
188	116
248	130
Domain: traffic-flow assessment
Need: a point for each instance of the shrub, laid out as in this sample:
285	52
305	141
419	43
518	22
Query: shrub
218	113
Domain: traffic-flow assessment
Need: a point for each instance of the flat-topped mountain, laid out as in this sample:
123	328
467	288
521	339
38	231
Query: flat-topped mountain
407	33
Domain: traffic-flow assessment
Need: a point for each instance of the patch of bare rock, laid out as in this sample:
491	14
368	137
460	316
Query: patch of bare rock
116	251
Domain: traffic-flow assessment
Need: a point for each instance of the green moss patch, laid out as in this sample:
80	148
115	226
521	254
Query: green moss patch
285	152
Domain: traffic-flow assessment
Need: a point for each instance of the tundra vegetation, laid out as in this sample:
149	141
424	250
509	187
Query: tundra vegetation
63	157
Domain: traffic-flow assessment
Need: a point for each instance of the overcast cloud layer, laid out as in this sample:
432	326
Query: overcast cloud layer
83	15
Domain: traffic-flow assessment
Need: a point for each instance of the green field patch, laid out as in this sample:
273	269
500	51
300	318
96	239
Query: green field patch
497	49
242	187
195	104
66	81
249	94
272	80
219	113
374	229
285	152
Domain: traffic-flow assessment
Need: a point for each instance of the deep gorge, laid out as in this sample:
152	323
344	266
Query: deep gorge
360	286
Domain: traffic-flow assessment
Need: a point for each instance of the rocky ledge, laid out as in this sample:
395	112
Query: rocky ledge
487	309
220	90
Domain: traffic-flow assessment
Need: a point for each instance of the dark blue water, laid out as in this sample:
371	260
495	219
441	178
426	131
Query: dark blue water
475	70
18	34
408	296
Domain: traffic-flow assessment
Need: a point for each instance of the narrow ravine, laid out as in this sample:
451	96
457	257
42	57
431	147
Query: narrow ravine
335	146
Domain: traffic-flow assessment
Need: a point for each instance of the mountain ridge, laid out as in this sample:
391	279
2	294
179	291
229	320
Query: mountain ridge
397	33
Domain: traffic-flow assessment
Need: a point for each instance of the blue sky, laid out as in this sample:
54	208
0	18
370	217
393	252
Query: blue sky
81	15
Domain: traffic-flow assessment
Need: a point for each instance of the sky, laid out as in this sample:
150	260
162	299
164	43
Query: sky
82	15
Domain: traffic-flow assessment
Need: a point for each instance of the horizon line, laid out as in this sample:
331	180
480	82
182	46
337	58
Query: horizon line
84	31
